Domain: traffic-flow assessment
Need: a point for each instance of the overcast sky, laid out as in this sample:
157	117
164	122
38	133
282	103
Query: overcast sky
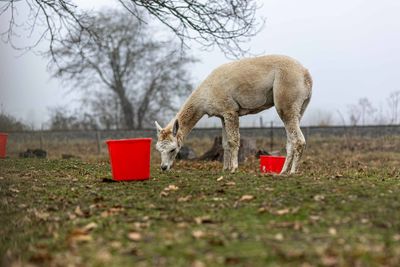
350	47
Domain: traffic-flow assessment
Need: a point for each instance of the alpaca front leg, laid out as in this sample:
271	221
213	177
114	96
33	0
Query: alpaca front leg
232	141
227	159
227	151
234	160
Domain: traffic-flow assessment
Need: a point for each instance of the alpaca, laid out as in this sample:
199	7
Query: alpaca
235	89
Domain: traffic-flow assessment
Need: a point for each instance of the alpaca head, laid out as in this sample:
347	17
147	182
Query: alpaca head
168	144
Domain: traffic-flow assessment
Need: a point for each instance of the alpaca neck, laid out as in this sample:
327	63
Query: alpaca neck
190	113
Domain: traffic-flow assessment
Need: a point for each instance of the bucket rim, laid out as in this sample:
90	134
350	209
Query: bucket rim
272	157
128	140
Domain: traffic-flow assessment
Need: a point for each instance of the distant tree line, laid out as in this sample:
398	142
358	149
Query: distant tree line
364	112
10	123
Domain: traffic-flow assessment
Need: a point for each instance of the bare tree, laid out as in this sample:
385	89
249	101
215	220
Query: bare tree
366	109
321	118
354	114
394	107
62	119
223	23
362	111
147	77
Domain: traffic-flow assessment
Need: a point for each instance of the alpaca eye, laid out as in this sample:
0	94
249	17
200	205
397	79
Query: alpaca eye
172	151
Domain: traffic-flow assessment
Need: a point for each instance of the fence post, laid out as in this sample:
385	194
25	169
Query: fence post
98	142
272	136
307	135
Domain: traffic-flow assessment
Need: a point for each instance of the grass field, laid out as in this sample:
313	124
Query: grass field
342	209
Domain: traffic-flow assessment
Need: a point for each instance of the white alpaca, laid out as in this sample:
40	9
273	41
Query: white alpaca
243	87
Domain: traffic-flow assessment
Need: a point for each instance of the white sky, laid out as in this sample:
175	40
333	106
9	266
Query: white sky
350	47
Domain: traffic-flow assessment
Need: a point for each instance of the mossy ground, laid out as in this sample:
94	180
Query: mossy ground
342	209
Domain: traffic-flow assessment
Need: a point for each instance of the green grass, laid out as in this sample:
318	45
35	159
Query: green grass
338	211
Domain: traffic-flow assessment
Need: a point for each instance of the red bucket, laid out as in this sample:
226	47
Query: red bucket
271	164
130	158
3	144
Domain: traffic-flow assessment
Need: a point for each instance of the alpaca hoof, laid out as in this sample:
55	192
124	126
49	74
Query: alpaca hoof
284	173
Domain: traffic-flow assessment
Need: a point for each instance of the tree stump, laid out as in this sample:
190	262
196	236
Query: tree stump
186	153
247	149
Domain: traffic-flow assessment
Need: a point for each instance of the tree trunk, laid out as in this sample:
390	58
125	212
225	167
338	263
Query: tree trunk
128	112
144	105
247	149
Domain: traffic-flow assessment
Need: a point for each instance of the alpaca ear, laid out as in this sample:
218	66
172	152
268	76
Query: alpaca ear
159	128
176	128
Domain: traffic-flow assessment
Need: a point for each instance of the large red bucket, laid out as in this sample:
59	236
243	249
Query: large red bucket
130	158
3	145
271	164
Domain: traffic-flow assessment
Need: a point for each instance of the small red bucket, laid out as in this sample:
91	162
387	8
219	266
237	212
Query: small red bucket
271	164
3	144
130	158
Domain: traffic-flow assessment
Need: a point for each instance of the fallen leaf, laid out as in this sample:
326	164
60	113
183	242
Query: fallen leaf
396	237
319	197
42	215
182	225
185	199
314	217
116	245
141	225
135	236
90	226
332	231
246	198
262	210
198	263
171	187
198	234
71	216
282	211
79	235
14	190
203	219
103	256
164	194
78	211
230	184
329	261
278	237
220	178
111	211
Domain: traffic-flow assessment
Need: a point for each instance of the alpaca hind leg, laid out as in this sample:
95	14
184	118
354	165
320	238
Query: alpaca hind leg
289	156
292	94
231	120
298	143
295	146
